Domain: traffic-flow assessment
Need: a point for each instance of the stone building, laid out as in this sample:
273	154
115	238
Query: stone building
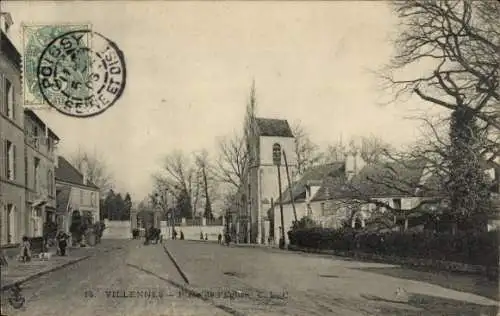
76	195
39	171
261	182
12	180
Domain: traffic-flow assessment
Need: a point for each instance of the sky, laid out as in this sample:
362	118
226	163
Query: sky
190	66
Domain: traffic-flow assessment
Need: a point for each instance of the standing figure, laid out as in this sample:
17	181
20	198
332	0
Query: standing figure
174	234
206	236
62	242
26	250
182	235
219	238
201	235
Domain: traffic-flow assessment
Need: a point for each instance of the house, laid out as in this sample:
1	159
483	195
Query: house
76	195
39	163
13	214
261	182
352	191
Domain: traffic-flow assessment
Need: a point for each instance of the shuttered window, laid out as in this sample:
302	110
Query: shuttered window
2	97
10	160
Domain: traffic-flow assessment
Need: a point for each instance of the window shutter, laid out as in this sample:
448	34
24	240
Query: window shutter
13	100
14	155
2	98
6	160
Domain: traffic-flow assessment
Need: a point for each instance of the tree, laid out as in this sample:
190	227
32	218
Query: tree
232	161
305	150
127	206
182	179
372	149
460	41
95	169
203	164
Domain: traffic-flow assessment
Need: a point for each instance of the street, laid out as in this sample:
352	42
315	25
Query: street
303	284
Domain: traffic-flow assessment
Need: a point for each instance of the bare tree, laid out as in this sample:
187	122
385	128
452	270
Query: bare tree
232	162
96	169
181	178
372	149
306	150
460	40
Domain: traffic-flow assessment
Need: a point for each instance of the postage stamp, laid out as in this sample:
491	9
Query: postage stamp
35	39
80	73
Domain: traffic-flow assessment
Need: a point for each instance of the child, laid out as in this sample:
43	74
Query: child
26	250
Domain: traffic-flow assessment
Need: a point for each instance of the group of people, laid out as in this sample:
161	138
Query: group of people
227	238
61	239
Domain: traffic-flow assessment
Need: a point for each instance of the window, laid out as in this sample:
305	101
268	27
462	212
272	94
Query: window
10	159
26	168
35	136
397	204
92	199
9	99
36	167
81	197
277	154
50	182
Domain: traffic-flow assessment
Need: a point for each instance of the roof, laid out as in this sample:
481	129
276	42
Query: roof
62	199
394	179
67	173
10	50
273	127
38	120
315	174
400	178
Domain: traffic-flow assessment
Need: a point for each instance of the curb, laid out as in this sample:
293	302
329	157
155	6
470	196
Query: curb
36	275
448	266
183	275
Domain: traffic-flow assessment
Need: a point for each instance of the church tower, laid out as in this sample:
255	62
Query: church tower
262	177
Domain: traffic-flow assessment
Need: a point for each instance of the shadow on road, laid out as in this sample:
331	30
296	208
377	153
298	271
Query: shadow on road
431	305
478	285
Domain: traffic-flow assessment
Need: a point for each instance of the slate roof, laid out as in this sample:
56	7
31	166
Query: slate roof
67	173
273	127
62	199
315	174
395	179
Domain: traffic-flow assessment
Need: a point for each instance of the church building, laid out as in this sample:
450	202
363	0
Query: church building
261	183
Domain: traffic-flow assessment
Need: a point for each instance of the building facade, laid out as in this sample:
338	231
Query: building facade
12	180
39	163
76	196
261	182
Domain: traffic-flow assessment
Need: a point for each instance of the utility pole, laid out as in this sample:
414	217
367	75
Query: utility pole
290	188
277	162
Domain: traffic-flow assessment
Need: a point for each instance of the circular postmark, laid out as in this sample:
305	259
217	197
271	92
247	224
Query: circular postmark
81	73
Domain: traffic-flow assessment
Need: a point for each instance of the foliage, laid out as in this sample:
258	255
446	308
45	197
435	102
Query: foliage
115	207
304	222
472	247
94	167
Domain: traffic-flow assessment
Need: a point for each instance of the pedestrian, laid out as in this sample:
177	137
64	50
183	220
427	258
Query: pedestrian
26	250
62	242
174	234
182	235
206	236
201	235
219	238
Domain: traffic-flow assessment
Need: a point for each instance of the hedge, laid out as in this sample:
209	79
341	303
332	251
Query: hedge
481	248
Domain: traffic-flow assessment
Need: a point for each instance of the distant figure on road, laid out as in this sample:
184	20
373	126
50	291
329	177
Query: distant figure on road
201	235
182	235
206	236
174	234
227	236
219	238
62	242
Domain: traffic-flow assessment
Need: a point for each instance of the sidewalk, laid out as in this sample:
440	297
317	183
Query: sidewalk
18	272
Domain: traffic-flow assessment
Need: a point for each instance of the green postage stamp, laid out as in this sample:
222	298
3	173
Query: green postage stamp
72	69
35	40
